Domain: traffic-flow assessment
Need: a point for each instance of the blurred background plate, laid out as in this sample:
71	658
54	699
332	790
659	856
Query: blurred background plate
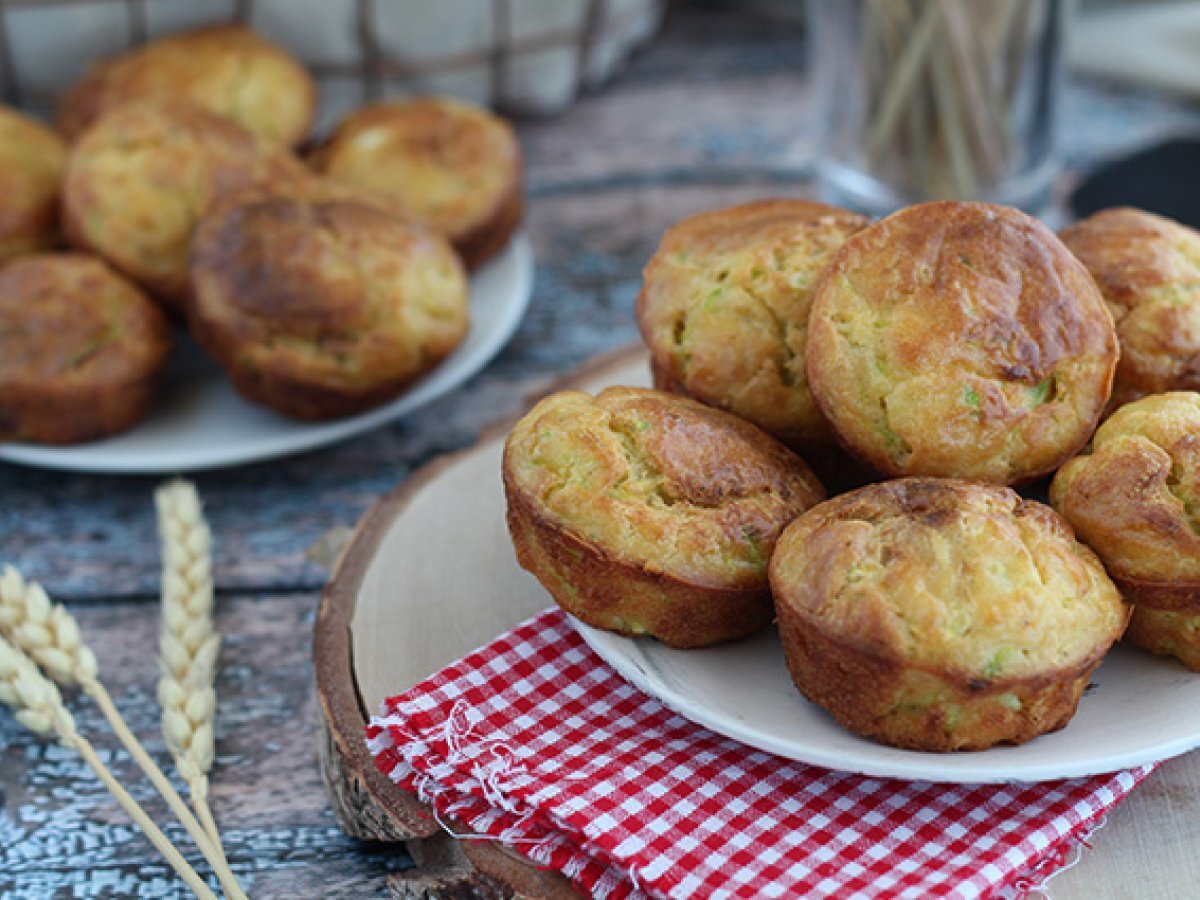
201	422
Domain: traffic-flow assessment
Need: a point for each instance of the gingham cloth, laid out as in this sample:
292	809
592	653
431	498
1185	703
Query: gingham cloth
536	742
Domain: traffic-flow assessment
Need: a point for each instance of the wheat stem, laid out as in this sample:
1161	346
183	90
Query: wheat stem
39	708
50	636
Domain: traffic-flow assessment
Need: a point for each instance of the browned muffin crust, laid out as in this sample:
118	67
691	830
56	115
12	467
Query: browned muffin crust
81	350
32	159
1134	498
939	614
1148	269
451	165
230	70
321	308
960	339
1167	632
724	309
140	178
646	513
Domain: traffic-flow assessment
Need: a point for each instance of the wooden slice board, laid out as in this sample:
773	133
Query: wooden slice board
429	575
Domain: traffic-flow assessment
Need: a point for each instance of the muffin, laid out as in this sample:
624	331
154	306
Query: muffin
960	339
227	69
939	614
724	310
1148	269
322	308
1135	499
1167	633
81	350
32	159
139	179
646	513
448	164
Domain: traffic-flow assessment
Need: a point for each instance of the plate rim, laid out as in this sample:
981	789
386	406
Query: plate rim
923	765
79	458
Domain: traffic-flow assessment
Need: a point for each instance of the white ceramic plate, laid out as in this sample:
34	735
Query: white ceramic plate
1141	708
202	423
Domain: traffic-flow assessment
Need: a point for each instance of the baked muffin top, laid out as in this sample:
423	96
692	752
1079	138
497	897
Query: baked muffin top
724	309
448	164
227	69
32	159
659	481
960	339
1148	269
1135	498
69	324
325	291
951	576
139	179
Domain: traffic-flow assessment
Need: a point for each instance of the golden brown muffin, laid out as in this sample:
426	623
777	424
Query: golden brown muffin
1148	269
960	339
321	308
1167	633
938	614
32	159
1135	499
227	69
454	166
81	349
724	310
139	180
646	513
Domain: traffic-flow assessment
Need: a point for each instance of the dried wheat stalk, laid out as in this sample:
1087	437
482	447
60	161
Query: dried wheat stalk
50	636
189	643
40	708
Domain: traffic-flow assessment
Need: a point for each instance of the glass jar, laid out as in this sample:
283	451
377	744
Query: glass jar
937	99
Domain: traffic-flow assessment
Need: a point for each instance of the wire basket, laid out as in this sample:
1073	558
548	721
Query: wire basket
520	56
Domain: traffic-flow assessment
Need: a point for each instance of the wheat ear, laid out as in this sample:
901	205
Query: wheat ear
190	645
50	635
39	707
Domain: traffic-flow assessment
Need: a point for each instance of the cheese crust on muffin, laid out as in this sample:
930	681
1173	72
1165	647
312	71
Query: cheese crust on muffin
32	159
646	513
1135	499
939	614
724	309
140	178
81	350
1148	269
450	165
1167	632
962	340
321	308
230	70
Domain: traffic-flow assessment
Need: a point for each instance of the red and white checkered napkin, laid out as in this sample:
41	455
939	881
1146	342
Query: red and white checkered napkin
534	741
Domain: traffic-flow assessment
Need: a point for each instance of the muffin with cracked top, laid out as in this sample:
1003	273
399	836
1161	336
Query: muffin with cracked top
940	614
1148	269
962	340
724	310
1135	499
451	165
140	178
81	350
32	159
320	306
230	70
646	513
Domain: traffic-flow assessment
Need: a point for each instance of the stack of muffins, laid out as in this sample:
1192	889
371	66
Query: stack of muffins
322	285
924	365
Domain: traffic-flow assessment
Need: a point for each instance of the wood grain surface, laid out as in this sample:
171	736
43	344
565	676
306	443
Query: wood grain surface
713	113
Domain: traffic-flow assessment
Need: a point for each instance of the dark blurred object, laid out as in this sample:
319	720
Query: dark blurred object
1163	179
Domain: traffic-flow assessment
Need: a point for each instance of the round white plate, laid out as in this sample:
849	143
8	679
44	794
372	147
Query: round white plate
202	423
1141	708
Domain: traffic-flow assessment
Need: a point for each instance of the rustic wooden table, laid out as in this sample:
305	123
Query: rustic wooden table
714	113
